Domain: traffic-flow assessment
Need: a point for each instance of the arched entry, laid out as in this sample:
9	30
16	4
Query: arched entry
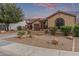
59	22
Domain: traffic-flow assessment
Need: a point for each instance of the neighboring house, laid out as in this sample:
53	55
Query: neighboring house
37	24
15	25
61	18
12	26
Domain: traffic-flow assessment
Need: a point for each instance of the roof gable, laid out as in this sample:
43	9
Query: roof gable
62	13
35	20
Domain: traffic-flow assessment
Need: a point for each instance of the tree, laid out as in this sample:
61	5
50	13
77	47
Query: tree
10	13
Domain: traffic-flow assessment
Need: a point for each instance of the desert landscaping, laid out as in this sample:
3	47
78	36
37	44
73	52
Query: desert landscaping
45	41
52	38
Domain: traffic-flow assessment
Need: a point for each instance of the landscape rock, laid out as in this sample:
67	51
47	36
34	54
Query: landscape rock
70	37
3	31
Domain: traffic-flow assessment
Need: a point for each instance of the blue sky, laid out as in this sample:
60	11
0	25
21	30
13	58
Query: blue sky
32	10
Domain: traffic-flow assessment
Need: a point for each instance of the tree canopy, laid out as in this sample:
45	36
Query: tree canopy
10	13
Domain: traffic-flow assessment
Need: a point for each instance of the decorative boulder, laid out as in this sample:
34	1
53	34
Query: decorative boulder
24	36
70	37
3	31
54	42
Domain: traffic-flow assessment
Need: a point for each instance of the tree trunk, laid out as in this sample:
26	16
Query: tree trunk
7	27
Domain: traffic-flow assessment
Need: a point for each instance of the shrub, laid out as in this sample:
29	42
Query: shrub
21	33
54	42
30	36
66	30
24	28
12	30
28	32
46	31
19	28
52	30
76	30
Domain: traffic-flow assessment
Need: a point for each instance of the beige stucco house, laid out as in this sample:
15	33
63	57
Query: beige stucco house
37	24
61	18
58	19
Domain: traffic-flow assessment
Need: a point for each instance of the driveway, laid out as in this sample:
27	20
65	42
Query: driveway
3	36
3	52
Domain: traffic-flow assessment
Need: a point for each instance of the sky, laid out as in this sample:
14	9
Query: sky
42	10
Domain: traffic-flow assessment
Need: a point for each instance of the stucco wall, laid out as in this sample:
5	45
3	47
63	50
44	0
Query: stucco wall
36	22
69	20
14	26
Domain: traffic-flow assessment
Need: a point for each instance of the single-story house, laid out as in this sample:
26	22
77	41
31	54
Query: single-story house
15	25
37	24
61	18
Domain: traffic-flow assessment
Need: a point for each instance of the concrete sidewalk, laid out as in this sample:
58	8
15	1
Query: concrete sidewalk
26	50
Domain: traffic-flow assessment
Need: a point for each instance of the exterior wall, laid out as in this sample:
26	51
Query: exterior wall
14	26
69	20
37	22
46	24
29	26
2	26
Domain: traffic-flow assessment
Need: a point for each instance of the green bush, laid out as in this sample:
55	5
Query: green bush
46	31
52	30
76	30
28	32
66	30
21	33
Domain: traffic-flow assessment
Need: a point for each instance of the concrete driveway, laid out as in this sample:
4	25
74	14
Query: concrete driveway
3	36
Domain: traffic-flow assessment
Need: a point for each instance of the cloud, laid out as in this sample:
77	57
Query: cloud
46	5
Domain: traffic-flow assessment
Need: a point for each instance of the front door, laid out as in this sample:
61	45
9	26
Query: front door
59	22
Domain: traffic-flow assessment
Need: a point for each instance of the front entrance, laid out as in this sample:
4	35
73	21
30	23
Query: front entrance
36	27
59	22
